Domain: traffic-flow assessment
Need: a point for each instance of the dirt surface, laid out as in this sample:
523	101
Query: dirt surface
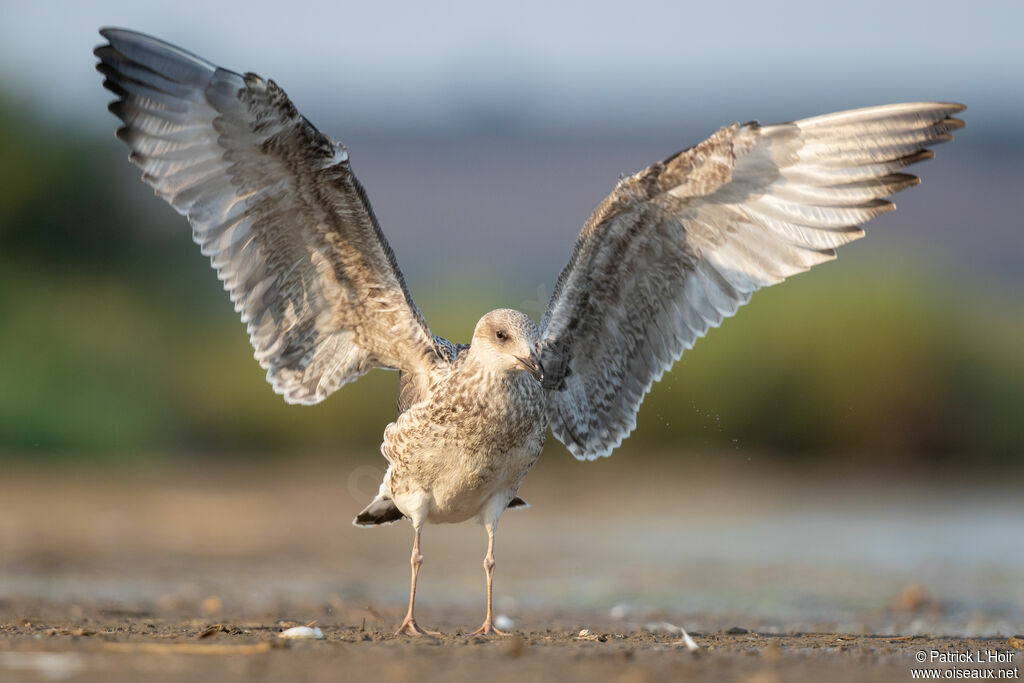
191	573
98	644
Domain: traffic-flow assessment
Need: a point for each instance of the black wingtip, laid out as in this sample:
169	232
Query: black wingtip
111	33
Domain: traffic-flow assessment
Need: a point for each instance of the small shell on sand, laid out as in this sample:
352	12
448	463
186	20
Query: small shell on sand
302	632
503	622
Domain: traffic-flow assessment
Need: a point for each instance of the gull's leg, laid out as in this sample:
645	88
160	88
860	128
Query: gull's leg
488	628
409	626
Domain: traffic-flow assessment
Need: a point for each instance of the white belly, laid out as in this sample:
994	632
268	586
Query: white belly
461	493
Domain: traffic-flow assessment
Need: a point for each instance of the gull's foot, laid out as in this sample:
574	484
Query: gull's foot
488	630
409	627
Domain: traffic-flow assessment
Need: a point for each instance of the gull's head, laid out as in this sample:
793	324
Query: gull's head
505	340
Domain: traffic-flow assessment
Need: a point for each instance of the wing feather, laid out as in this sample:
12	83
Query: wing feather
680	246
275	206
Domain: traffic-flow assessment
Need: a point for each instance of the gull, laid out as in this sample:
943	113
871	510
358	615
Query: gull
671	252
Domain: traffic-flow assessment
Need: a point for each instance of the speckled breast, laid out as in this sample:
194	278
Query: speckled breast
474	440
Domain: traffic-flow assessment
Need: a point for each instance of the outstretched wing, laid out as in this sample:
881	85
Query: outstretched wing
681	245
274	204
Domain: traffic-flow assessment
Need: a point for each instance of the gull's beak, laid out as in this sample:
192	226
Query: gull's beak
532	365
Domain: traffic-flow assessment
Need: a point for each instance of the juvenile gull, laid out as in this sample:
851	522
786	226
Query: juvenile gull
672	251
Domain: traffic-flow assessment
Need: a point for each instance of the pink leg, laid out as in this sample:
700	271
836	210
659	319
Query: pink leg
409	626
488	628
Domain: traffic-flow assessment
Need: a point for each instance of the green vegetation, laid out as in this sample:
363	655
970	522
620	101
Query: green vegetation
117	341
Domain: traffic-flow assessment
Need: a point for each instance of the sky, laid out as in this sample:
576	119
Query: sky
536	65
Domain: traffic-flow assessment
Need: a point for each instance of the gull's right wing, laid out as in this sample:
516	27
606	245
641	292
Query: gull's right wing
274	204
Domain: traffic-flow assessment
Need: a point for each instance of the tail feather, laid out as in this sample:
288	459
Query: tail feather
381	511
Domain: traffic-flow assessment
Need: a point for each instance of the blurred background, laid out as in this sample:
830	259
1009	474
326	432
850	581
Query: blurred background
485	135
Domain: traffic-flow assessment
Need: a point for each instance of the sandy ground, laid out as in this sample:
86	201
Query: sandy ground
191	572
103	645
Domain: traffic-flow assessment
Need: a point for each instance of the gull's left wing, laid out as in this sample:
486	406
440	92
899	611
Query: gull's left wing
681	245
274	203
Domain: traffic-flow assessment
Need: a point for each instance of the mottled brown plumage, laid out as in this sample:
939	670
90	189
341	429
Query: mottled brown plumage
683	244
671	252
473	438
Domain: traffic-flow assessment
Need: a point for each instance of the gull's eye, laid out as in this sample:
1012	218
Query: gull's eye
500	335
